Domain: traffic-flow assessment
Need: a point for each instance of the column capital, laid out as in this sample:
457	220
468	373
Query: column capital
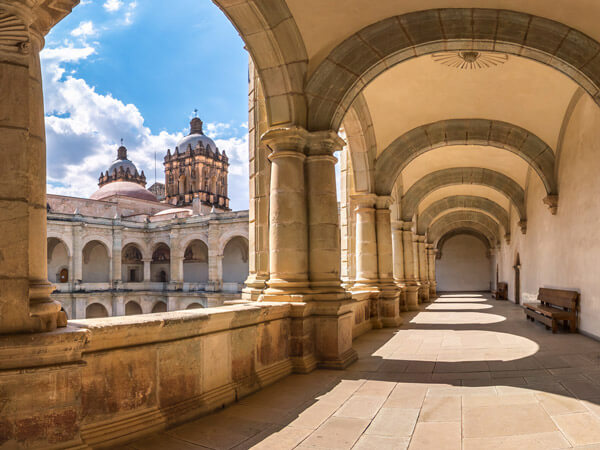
324	143
363	201
285	139
383	202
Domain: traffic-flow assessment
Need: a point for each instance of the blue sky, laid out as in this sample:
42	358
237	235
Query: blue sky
136	70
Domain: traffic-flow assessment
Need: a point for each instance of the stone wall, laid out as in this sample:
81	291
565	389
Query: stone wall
464	265
561	251
102	381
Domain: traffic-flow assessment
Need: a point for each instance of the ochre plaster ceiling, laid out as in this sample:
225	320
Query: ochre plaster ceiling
500	160
465	189
421	91
324	24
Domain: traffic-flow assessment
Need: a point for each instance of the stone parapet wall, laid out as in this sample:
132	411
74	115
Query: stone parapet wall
99	382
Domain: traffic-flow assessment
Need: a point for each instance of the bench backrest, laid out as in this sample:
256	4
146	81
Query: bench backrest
559	297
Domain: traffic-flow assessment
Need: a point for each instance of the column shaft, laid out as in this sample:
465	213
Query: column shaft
423	269
412	287
398	257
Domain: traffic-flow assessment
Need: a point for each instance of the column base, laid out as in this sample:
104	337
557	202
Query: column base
45	313
253	288
424	292
341	362
432	291
279	290
412	298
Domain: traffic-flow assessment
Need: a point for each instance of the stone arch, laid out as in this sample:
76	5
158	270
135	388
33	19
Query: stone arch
362	145
277	49
463	175
132	265
467	216
439	230
457	232
59	255
354	63
160	267
492	133
195	262
235	260
95	310
132	308
194	306
141	244
95	262
463	201
159	307
96	237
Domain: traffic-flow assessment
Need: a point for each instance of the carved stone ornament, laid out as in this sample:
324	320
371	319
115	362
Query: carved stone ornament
14	35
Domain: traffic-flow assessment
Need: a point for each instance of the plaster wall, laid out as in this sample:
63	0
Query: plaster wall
561	251
464	265
96	264
235	264
196	272
58	259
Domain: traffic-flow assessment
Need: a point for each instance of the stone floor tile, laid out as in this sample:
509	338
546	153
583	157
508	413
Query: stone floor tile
211	436
555	404
441	409
420	367
436	436
336	433
371	442
406	395
491	400
360	407
283	439
582	389
580	428
538	441
505	420
313	416
375	388
394	422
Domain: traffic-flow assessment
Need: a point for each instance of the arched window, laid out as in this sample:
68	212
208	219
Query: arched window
95	310
195	262
132	308
96	263
159	307
132	266
235	260
161	263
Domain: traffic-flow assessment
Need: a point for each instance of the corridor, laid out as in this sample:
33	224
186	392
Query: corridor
463	372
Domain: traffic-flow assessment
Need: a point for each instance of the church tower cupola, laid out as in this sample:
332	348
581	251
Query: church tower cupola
197	171
122	169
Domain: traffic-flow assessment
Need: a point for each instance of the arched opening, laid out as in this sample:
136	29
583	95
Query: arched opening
132	308
159	307
58	261
195	262
161	264
96	263
95	310
235	261
464	265
195	306
132	266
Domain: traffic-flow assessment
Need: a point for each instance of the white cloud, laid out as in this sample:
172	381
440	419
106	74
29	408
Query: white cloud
84	29
129	14
84	127
112	5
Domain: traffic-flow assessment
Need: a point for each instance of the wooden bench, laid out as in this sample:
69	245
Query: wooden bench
501	292
555	305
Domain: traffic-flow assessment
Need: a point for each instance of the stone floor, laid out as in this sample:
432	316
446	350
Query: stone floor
465	372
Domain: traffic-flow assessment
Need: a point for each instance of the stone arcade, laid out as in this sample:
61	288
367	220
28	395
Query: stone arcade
465	134
123	252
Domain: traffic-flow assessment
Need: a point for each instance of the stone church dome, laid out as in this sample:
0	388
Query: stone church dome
123	162
125	189
195	137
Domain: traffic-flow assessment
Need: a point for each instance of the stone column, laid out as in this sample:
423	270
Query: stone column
147	269
389	298
366	285
176	263
118	305
77	255
431	252
215	258
423	269
288	231
117	246
259	177
25	303
323	219
398	258
410	276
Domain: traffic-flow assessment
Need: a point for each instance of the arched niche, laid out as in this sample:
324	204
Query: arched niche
159	307
95	310
132	266
195	306
160	266
195	262
235	260
132	308
58	261
96	263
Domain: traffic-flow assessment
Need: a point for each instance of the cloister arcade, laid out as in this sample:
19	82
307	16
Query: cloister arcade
459	130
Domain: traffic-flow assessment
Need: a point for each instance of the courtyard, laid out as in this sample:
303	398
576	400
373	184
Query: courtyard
465	371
